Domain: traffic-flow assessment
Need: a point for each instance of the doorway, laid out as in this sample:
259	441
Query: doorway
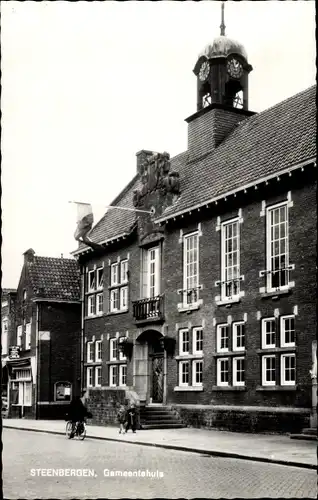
157	378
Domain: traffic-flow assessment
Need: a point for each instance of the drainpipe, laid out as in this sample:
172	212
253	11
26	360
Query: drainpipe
37	364
82	327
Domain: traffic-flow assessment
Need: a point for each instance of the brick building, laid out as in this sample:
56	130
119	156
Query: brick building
7	326
209	285
43	358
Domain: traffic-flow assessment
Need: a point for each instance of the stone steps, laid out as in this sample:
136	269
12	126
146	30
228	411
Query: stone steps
159	417
304	437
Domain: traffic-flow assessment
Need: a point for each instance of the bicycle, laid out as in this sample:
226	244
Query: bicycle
79	430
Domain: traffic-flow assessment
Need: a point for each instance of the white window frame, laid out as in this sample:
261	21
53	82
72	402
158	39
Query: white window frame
235	371
120	379
89	352
99	278
283	369
112	343
27	393
218	337
283	331
112	375
123	298
264	381
28	336
153	271
99	303
91	282
264	345
192	279
114	274
124	271
98	373
19	335
91	305
89	376
113	299
235	326
122	357
269	255
225	270
181	364
194	340
5	336
181	342
195	362
98	350
218	372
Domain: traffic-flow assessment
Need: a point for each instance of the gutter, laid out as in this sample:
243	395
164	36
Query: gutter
105	242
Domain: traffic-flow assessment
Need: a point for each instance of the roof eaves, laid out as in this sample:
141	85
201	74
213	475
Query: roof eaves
105	242
66	301
240	188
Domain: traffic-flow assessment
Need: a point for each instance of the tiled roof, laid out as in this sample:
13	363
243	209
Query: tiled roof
55	278
5	291
262	145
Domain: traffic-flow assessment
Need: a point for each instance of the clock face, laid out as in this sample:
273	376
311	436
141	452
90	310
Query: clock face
204	71
234	68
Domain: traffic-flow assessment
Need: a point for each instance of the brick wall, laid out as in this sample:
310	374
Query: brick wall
103	403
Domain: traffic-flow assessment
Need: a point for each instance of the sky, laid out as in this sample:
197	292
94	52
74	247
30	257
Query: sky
86	85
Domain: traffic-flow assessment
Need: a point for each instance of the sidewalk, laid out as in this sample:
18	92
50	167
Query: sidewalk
259	447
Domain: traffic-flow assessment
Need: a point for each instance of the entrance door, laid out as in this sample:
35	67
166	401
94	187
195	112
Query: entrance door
157	378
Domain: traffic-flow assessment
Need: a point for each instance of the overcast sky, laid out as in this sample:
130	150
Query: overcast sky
85	85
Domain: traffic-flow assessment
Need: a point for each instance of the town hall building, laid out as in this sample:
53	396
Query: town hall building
202	299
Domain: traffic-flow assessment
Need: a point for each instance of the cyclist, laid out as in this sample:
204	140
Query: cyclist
77	412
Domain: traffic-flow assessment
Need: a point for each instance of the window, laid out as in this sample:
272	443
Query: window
184	342
90	347
268	370
287	331
28	336
190	269
222	338
230	259
268	333
197	340
124	298
27	394
24	386
288	369
122	375
114	275
24	295
100	303
124	271
114	300
90	376
4	336
197	372
4	303
19	335
239	336
222	371
91	281
122	357
91	305
113	349
112	375
184	373
277	247
100	277
98	376
238	371
98	351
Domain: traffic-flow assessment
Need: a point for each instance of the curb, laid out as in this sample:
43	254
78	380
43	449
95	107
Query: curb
211	453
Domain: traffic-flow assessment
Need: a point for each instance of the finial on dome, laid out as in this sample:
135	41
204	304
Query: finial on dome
222	26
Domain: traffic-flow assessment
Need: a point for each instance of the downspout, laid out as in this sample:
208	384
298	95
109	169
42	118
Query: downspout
37	345
82	326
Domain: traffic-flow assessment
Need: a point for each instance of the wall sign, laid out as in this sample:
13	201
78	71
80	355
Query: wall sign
14	352
62	391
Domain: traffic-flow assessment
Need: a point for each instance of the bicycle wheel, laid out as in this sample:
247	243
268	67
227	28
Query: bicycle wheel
81	435
68	429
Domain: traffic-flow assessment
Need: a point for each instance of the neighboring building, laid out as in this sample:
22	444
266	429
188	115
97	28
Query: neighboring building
216	288
7	325
43	360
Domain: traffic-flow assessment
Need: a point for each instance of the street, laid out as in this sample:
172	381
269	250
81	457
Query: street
103	469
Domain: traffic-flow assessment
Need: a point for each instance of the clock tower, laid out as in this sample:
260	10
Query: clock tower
222	71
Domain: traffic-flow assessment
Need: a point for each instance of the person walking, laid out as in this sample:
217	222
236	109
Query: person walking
131	418
121	418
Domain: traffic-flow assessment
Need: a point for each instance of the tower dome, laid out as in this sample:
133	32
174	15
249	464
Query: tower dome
222	46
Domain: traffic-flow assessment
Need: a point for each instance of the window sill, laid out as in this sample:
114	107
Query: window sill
228	388
92	363
275	294
186	357
273	350
228	353
121	311
94	316
190	307
119	285
188	388
117	362
91	292
264	388
227	302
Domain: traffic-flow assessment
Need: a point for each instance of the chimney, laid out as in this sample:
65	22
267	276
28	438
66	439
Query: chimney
29	255
141	157
210	126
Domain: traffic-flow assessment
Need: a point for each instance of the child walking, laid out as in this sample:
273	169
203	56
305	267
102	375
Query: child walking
121	418
131	418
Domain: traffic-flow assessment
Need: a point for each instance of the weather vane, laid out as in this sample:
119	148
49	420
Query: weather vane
222	26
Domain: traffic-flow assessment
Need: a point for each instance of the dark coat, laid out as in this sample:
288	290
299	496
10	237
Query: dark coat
131	416
77	411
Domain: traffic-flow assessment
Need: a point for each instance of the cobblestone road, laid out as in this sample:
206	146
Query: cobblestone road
185	475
